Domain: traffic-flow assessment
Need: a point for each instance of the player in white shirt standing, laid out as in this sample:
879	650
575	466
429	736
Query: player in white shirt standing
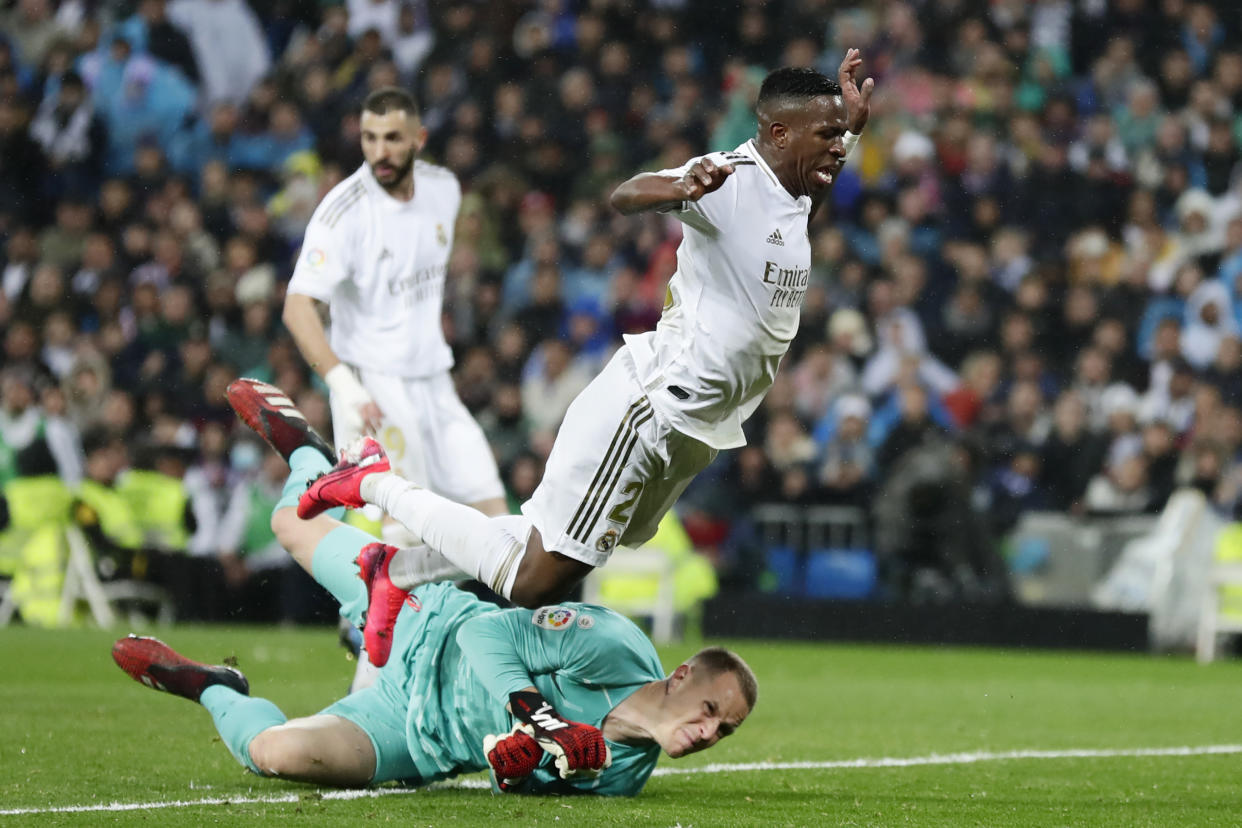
671	398
375	253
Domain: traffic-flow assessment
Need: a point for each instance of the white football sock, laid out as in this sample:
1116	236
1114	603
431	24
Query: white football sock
490	549
414	566
395	534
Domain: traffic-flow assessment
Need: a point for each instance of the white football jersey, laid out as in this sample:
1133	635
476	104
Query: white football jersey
380	263
732	306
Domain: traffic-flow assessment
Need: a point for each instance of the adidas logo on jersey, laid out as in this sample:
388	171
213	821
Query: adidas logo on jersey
776	239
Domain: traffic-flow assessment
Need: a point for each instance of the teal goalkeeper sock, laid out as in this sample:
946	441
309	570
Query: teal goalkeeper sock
239	719
304	465
334	566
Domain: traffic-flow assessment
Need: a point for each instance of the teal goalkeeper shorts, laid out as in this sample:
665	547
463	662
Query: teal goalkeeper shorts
381	715
402	712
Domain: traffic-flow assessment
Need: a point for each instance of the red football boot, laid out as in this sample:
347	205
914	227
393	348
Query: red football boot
339	487
158	666
270	412
384	600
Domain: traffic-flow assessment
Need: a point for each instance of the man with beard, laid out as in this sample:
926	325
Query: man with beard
375	254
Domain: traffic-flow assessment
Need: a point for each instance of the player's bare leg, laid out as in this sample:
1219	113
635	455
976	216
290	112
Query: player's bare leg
544	576
300	537
324	749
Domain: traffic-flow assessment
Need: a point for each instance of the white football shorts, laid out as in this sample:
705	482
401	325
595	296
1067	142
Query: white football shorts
615	469
429	436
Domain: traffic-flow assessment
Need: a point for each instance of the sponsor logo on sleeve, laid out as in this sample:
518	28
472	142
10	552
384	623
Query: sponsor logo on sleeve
316	258
585	622
553	618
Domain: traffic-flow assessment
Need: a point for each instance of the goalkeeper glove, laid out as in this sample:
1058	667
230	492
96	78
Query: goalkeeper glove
512	757
580	749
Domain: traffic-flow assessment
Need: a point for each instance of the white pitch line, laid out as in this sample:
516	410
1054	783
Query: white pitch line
743	767
955	759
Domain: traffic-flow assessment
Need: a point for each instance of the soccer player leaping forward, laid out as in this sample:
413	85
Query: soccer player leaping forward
468	686
671	398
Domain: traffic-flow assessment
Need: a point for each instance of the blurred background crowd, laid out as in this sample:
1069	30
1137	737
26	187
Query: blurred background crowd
1025	293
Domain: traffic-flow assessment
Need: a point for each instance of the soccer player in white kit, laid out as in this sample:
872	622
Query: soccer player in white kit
670	398
376	252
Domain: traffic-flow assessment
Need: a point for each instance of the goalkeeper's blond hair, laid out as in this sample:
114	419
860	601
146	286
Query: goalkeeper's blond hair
717	660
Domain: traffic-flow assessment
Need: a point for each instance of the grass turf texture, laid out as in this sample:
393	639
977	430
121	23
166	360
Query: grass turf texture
77	731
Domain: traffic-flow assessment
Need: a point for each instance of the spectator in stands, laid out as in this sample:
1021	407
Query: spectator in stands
1209	319
1175	403
913	427
821	378
261	581
32	27
1160	452
107	518
25	427
552	381
1225	372
1121	489
847	463
150	31
73	139
1071	456
229	48
1025	424
1015	488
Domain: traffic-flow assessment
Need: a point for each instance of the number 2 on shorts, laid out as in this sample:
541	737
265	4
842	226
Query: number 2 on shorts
621	512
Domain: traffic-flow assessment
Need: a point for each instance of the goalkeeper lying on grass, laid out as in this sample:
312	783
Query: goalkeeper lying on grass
563	699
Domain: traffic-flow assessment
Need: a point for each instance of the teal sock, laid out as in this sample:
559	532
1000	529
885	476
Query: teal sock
239	719
304	465
334	566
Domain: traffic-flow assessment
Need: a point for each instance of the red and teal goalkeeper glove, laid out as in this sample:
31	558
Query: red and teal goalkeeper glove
513	757
580	749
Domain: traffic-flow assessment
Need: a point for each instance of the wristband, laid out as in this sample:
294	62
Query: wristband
342	381
850	140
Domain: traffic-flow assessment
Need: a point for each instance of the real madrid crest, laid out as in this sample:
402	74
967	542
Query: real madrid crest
606	541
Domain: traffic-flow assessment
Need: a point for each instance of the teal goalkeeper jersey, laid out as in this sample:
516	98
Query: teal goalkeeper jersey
459	658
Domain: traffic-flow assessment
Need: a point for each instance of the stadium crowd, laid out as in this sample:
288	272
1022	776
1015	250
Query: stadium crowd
1025	288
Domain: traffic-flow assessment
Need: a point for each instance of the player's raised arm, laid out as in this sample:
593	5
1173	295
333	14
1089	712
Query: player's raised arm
659	191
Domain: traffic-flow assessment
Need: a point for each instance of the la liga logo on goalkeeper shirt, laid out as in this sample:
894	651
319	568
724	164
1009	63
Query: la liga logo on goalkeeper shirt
553	618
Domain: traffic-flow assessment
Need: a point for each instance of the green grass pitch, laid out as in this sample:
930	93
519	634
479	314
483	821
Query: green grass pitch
75	731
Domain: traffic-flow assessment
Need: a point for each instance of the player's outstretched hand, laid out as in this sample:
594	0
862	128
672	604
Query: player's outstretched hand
580	749
705	176
513	757
857	98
